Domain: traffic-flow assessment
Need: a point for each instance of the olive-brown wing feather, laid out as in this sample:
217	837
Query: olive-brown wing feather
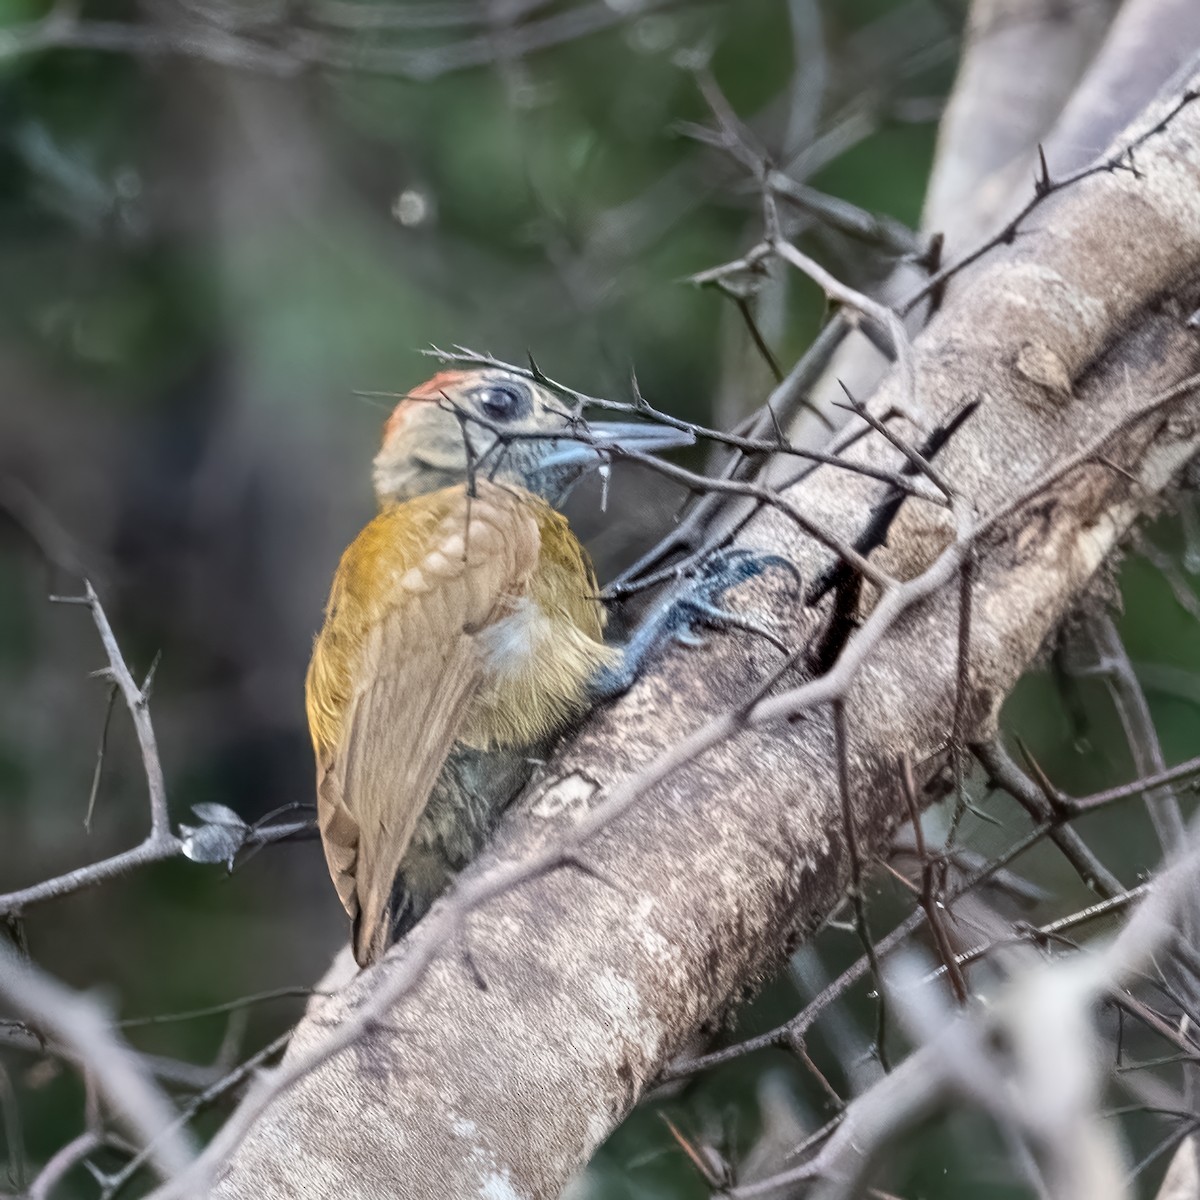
393	672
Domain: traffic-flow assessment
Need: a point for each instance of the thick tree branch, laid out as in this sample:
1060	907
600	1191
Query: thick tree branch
707	838
1147	42
1020	63
1015	112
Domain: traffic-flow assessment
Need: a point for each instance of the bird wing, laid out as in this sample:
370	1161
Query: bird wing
394	670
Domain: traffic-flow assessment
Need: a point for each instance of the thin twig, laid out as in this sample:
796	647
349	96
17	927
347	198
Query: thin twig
160	843
1114	667
136	700
59	1165
98	772
1006	774
854	860
931	902
210	1096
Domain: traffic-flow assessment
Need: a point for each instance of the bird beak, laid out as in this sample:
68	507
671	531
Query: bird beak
598	444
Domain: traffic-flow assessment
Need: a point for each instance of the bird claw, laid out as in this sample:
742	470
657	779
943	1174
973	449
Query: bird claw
703	601
700	604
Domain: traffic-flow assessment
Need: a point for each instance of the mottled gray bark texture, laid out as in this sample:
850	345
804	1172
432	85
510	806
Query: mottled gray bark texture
1033	73
1020	64
1061	342
1147	42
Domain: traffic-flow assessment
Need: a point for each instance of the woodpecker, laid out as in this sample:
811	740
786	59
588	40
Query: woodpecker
463	624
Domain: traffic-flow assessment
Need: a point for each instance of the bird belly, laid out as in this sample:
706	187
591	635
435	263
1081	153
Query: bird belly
536	669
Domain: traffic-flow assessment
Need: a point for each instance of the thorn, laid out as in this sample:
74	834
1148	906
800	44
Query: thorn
1043	185
931	260
773	230
1131	166
473	967
979	814
780	437
98	1175
1105	461
14	922
377	395
148	682
574	860
852	404
639	401
711	1165
1053	796
536	371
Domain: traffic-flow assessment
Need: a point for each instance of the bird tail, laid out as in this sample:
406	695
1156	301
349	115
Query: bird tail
372	934
377	884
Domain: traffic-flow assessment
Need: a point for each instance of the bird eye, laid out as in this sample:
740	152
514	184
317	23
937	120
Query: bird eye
501	401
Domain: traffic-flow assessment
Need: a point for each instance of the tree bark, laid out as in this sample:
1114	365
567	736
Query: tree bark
1020	64
498	1076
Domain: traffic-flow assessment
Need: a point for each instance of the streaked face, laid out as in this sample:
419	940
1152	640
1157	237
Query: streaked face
501	426
488	421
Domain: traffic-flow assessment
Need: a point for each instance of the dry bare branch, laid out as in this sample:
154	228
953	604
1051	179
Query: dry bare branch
160	842
706	838
79	1024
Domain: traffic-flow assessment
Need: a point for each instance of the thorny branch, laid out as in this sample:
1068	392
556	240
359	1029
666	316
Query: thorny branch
934	1071
160	843
1124	159
445	926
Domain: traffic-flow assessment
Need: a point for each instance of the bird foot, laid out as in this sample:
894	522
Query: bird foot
699	605
702	603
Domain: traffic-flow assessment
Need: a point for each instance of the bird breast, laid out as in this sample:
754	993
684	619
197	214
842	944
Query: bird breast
537	664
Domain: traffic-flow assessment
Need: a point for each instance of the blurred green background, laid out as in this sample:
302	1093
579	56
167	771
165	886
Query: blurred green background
200	267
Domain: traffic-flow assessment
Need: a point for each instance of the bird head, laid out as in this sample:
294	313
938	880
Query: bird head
501	426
